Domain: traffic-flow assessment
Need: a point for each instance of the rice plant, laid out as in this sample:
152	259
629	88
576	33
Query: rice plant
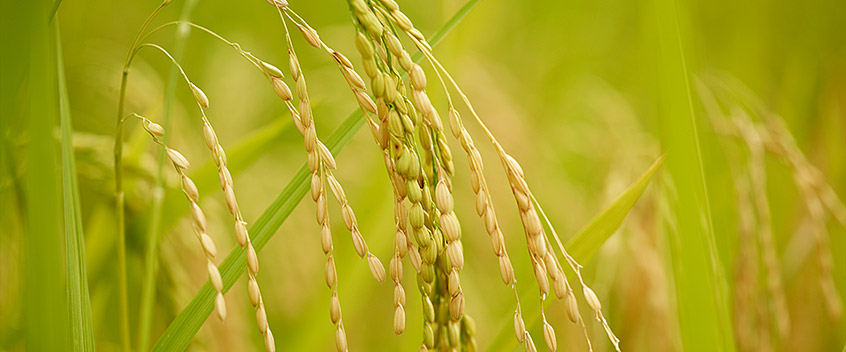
538	176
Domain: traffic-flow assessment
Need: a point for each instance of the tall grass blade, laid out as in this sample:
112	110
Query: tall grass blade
79	303
701	290
183	328
588	241
42	272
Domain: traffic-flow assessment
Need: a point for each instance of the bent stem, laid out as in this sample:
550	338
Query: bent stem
120	200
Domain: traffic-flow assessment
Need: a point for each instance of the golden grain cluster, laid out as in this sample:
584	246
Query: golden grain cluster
410	135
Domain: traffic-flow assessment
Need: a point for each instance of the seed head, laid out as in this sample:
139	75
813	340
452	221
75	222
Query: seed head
532	223
394	44
454	284
399	295
572	307
428	337
294	65
269	344
177	158
443	198
255	294
506	270
549	336
540	275
321	209
326	239
481	202
354	78
220	306
190	188
198	217
316	186
155	129
400	243
456	307
428	310
214	276
396	268
241	232
399	320
341	59
455	255
200	96
376	268
310	36
418	78
497	242
559	285
231	201
271	70
336	188
281	88
530	345
326	156
402	20
363	45
519	327
252	259
261	318
360	245
591	299
365	102
341	339
208	245
451	228
334	308
209	136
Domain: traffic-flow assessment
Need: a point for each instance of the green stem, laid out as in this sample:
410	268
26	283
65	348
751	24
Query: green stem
246	54
120	197
120	205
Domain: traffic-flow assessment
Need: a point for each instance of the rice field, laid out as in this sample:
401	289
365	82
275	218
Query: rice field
392	175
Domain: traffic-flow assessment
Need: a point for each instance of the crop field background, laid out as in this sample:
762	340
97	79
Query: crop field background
689	156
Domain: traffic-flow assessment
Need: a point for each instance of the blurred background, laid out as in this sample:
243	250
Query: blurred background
576	90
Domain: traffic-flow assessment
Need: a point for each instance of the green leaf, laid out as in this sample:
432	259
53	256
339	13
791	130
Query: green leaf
588	241
701	290
42	272
183	328
79	303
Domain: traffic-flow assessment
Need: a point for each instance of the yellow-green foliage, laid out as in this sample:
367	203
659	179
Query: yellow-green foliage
667	172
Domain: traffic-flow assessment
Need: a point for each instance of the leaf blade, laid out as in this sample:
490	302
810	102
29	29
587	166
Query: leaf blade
700	287
588	240
80	321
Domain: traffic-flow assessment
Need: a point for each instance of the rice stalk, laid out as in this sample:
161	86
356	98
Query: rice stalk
120	197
